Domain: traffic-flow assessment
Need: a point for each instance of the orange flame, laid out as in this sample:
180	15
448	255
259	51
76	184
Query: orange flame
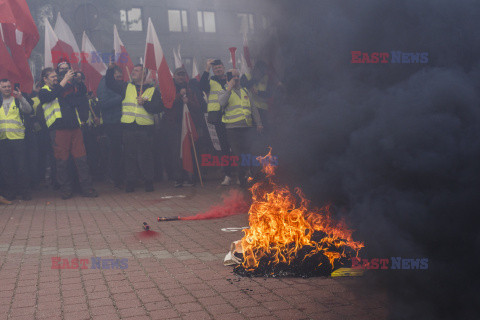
281	224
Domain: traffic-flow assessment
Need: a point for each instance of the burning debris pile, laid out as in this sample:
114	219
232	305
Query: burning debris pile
287	238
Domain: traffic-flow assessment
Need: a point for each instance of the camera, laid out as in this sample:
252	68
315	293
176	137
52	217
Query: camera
16	87
61	75
78	77
229	76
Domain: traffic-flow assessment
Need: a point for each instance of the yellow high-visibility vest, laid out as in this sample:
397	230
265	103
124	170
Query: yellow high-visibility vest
11	124
215	89
51	110
132	112
238	108
36	103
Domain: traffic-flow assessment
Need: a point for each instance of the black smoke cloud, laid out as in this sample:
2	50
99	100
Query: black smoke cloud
396	147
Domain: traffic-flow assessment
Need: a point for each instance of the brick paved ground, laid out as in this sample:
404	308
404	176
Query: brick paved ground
178	275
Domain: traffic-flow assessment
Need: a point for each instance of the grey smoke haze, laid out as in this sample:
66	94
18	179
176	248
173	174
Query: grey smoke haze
395	146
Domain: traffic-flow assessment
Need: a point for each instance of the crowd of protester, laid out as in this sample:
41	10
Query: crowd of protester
64	137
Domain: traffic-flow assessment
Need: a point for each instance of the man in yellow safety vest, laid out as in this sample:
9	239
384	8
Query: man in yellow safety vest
65	107
13	156
140	102
240	115
212	86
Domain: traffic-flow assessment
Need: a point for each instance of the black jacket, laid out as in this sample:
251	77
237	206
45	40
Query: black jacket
154	106
71	98
205	82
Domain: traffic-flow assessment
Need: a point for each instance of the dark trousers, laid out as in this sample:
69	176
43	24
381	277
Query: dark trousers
137	147
65	143
240	142
33	158
115	157
224	145
174	141
13	163
92	149
47	159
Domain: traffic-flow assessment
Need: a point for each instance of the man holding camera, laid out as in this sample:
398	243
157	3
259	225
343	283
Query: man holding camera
65	107
238	115
212	87
13	155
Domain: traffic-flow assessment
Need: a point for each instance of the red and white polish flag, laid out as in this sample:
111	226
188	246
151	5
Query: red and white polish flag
8	69
51	46
66	44
13	39
20	35
123	59
25	28
246	51
155	62
92	65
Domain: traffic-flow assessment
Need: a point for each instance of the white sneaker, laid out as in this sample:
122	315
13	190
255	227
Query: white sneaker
226	181
238	181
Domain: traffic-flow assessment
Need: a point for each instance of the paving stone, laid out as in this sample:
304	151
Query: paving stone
177	275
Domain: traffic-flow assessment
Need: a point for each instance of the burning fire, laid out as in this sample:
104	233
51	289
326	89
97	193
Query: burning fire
286	235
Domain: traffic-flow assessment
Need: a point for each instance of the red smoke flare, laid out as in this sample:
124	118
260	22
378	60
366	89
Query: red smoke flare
147	234
233	203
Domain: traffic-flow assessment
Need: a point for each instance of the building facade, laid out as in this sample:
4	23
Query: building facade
202	28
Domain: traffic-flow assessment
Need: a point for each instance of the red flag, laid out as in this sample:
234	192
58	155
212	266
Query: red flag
27	32
188	132
20	34
8	70
246	51
67	44
92	65
19	57
123	59
6	14
232	53
155	62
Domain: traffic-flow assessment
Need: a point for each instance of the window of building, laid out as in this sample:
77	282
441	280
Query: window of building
177	21
206	21
246	22
131	20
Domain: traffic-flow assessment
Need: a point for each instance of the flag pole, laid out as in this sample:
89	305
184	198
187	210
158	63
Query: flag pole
143	66
129	76
143	76
194	151
93	114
